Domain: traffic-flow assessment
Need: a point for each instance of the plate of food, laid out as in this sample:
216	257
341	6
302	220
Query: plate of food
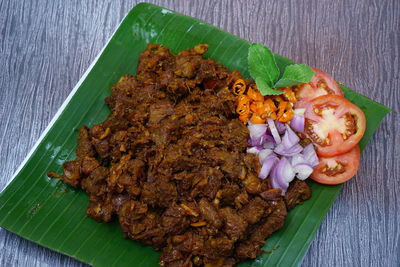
184	145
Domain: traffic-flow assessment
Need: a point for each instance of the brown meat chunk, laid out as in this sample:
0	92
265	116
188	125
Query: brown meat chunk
229	193
72	172
100	208
88	165
96	182
297	192
175	220
251	248
160	110
254	210
209	213
85	147
234	225
271	194
170	163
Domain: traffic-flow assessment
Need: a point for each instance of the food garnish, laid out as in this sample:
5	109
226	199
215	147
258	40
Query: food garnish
337	169
281	156
305	102
334	124
265	72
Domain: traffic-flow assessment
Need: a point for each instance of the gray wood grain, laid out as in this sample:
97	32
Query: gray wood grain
45	46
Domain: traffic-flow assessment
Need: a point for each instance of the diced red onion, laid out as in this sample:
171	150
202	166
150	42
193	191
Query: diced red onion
282	174
297	159
253	150
285	169
256	130
289	145
299	111
303	170
301	166
267	165
297	123
288	152
255	142
274	131
269	145
290	138
263	154
273	181
310	155
261	140
293	160
280	126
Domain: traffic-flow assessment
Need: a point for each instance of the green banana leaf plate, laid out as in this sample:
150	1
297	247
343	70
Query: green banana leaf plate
52	214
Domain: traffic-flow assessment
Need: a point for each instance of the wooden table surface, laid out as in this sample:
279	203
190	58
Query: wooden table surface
45	47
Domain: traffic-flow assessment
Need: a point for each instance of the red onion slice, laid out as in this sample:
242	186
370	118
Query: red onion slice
256	130
253	150
276	182
274	131
281	170
301	166
282	174
285	168
267	165
290	138
303	170
297	123
261	140
272	180
310	155
269	145
263	154
280	126
288	152
297	159
289	145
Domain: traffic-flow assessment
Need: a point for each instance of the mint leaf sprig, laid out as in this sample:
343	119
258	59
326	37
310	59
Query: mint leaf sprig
265	72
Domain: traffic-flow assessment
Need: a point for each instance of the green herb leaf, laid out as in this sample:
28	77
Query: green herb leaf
264	87
295	74
263	68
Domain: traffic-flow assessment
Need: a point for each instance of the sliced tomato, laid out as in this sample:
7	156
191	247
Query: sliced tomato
338	169
334	124
324	82
321	84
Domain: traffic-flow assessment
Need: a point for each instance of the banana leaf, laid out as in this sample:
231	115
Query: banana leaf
52	214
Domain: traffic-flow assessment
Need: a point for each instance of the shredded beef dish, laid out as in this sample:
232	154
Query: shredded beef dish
170	164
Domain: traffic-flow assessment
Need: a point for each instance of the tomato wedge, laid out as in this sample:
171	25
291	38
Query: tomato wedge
338	169
334	124
321	84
